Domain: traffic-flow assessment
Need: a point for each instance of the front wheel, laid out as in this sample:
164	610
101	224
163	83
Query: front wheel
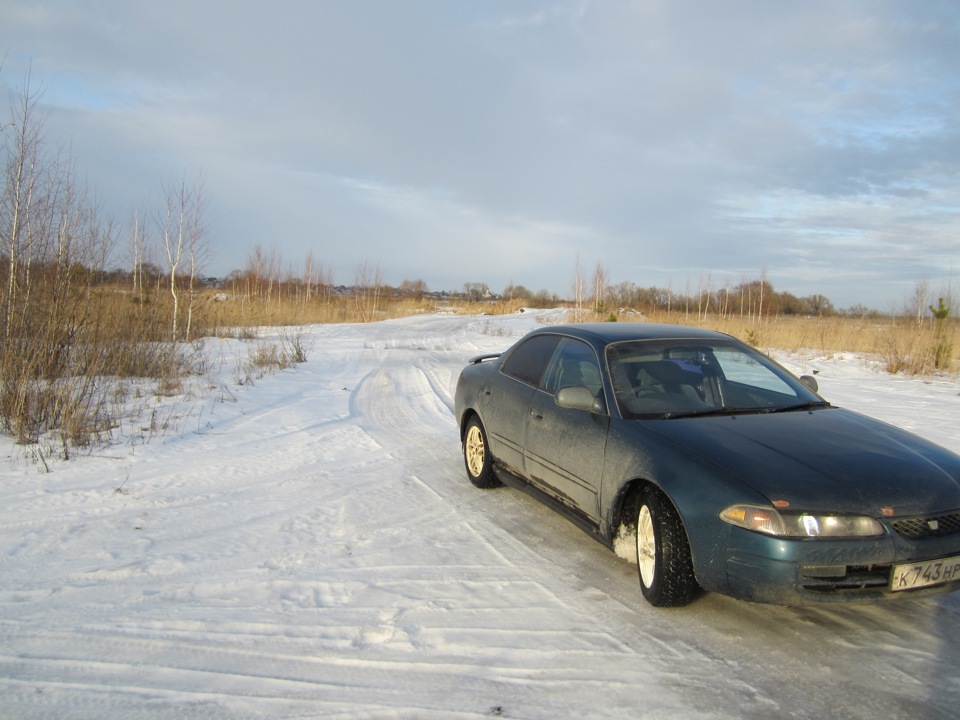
476	456
663	552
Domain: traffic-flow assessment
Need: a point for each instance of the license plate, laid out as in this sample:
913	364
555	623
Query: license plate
923	574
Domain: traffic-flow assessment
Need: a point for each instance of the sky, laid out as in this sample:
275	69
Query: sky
675	144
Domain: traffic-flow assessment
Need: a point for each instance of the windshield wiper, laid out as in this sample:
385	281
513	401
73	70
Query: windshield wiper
760	410
802	406
707	412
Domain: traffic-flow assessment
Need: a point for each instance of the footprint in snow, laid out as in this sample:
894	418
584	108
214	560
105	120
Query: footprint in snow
374	635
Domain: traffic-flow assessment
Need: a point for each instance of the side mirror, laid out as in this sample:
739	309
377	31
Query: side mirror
577	397
811	382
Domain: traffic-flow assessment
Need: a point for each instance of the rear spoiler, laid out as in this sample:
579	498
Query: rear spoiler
480	358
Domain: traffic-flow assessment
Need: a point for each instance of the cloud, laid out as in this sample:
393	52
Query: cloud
496	142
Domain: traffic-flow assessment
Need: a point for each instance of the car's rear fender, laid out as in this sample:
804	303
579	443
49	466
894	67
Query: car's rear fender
468	413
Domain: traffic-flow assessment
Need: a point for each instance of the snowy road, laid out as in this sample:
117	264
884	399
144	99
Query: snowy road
310	547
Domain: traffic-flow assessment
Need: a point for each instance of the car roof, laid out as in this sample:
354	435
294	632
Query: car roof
608	332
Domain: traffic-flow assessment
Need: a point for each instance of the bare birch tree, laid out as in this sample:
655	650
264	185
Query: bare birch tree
54	245
198	249
599	288
139	256
578	291
23	164
918	302
368	284
704	293
182	231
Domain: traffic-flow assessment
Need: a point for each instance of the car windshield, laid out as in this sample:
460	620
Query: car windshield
684	378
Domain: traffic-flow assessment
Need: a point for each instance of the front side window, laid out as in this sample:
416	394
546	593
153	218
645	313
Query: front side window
574	364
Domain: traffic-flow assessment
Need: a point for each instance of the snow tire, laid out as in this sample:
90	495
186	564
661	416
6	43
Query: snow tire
476	456
663	552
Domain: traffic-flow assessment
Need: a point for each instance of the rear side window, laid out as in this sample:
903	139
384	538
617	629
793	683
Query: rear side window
529	360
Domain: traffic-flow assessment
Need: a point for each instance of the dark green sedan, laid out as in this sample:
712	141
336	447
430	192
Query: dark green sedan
733	475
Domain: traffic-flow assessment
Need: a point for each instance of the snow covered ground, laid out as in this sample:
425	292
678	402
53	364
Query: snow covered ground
308	546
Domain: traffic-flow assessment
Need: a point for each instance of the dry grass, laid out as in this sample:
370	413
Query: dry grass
902	344
220	316
62	351
59	358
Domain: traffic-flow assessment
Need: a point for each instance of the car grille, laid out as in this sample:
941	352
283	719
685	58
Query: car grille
827	579
932	526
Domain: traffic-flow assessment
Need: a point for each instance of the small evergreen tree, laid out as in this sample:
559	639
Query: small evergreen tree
943	349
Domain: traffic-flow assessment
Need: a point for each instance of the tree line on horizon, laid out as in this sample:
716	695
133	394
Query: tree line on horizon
69	318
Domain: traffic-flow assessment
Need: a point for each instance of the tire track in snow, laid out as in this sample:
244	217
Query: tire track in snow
588	580
341	565
403	411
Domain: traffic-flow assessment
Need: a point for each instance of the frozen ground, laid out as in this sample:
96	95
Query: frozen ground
309	546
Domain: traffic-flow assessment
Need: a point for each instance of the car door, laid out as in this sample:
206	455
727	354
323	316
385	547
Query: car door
506	399
564	447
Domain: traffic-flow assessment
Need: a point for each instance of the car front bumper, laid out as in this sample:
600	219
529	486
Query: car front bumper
768	569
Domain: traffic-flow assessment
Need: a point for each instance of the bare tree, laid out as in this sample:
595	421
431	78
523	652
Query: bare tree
257	271
763	282
599	288
413	288
182	230
475	291
198	248
141	258
137	251
917	306
274	262
368	284
819	305
24	169
578	291
725	306
318	279
309	278
704	293
171	232
54	244
516	292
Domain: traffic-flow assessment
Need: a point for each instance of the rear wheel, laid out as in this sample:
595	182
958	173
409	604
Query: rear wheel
663	552
476	456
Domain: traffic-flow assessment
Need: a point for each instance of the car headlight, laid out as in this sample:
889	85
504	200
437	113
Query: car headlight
768	520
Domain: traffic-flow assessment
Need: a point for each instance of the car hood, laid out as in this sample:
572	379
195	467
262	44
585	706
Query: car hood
826	459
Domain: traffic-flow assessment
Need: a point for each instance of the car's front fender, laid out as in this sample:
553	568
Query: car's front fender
698	489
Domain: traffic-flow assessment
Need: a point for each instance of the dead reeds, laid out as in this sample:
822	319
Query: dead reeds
902	344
